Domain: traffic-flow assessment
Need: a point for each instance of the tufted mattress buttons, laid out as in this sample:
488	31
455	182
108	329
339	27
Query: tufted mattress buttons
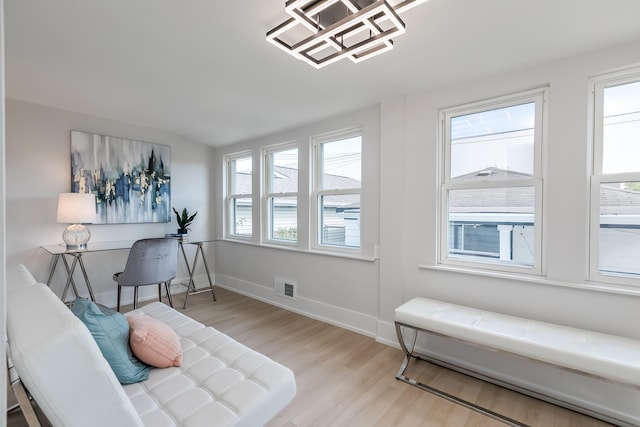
221	382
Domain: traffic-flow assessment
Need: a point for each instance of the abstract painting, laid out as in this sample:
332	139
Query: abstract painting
130	179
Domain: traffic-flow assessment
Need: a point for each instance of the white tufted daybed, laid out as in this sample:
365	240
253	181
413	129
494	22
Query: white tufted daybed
608	357
219	383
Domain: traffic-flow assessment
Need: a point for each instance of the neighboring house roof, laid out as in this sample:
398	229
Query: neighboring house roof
286	181
513	200
621	201
492	200
613	199
491	174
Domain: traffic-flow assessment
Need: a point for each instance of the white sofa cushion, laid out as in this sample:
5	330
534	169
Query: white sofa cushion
59	361
219	379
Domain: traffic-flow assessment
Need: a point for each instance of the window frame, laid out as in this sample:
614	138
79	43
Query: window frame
597	86
269	194
539	96
231	197
317	193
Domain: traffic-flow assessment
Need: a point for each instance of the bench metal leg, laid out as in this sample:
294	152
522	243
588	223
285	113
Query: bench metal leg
410	354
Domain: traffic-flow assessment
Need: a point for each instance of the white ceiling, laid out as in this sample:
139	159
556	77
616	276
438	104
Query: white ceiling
203	70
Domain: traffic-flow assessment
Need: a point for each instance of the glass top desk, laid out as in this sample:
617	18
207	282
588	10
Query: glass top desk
60	252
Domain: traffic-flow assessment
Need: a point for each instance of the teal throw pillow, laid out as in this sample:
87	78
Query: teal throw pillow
110	329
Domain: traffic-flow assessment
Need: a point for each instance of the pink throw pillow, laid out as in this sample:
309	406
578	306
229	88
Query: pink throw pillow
154	342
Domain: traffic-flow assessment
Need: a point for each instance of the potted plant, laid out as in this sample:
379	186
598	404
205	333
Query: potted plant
184	220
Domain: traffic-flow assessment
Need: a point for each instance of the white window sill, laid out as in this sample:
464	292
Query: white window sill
588	286
288	247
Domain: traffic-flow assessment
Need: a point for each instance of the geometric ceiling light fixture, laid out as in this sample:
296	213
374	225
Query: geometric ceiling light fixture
321	32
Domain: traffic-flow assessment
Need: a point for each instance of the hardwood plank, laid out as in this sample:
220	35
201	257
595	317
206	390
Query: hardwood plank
347	379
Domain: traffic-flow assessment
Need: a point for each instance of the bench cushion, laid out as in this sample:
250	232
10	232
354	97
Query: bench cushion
220	382
608	356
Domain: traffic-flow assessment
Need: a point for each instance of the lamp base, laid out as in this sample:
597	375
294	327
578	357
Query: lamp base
76	237
77	247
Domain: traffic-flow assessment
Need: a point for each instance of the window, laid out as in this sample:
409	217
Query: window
239	196
281	194
615	182
337	189
491	188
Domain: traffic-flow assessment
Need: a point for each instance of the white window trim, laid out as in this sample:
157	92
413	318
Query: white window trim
316	220
230	197
267	194
597	85
539	96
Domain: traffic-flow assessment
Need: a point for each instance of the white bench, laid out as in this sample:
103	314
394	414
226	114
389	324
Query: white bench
608	357
220	382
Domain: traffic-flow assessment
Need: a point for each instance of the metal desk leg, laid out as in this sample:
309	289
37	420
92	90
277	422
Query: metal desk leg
77	259
54	263
186	263
86	278
191	288
191	284
206	267
70	280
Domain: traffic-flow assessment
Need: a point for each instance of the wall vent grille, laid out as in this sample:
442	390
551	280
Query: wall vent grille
288	290
285	288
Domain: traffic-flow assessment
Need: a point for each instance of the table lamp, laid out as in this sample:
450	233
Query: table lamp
76	209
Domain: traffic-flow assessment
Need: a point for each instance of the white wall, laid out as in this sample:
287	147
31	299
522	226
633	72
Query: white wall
407	220
555	299
408	193
339	290
562	296
38	168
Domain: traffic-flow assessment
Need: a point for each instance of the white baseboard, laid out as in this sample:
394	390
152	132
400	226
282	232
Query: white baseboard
338	316
386	334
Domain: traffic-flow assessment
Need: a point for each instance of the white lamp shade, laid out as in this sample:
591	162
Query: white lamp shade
76	208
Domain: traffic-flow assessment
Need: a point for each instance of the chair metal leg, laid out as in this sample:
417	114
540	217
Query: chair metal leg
135	297
160	292
119	293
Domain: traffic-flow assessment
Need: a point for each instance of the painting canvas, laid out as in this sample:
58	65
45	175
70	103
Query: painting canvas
130	179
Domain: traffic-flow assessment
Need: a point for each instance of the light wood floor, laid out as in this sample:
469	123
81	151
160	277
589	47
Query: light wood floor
347	379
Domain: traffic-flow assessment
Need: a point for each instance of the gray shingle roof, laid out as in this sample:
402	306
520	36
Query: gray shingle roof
614	200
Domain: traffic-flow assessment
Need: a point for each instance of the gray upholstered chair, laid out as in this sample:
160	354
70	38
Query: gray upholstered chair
150	262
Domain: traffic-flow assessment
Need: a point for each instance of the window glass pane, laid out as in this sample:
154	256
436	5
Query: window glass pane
493	225
340	220
242	219
494	144
621	131
341	163
241	175
284	171
619	245
284	218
